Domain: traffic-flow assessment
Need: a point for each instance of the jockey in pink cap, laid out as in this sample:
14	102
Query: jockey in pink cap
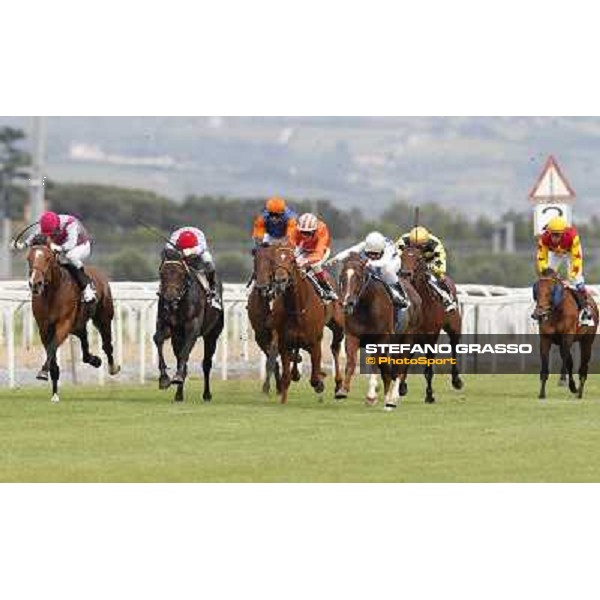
70	240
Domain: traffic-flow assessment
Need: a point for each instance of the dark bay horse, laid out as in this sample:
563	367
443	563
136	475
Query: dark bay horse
558	316
370	311
185	314
435	318
59	311
260	301
299	316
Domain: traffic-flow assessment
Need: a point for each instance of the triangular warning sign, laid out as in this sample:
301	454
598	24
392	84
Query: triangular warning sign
551	185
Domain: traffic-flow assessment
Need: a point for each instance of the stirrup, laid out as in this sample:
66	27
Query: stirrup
585	319
450	307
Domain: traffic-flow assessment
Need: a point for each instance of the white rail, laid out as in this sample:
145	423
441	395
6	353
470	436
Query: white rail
485	309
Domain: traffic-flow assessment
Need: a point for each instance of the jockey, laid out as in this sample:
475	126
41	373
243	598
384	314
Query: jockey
382	259
276	223
191	242
70	240
434	254
312	241
560	245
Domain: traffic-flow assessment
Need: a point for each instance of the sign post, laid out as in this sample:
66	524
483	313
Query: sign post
552	195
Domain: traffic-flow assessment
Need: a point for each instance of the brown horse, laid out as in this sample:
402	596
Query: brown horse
59	312
299	316
260	302
435	317
558	316
370	311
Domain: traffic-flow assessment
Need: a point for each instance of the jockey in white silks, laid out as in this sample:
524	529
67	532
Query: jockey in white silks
383	261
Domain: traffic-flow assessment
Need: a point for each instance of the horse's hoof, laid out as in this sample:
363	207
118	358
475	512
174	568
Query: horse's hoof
371	400
572	387
266	389
164	382
207	397
177	380
341	394
114	369
94	361
42	375
296	376
389	407
562	383
430	400
403	389
319	387
457	384
55	398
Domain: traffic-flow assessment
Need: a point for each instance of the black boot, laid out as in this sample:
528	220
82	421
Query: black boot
212	285
401	300
328	291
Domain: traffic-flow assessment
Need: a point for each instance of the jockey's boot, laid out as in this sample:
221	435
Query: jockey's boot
586	319
399	295
447	300
213	293
86	285
328	293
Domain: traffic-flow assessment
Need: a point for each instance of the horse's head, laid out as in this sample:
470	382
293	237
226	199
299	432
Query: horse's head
413	263
274	267
174	279
42	262
353	278
548	293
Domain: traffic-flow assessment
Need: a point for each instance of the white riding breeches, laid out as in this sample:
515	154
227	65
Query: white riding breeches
388	271
555	261
77	255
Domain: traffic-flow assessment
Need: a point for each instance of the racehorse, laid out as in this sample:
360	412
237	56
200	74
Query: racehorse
184	314
370	310
558	316
260	301
435	317
59	311
299	316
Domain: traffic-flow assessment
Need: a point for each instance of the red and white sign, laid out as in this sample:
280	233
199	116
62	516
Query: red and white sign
552	186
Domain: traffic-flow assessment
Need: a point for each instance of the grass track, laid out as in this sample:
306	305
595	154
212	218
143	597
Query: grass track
494	430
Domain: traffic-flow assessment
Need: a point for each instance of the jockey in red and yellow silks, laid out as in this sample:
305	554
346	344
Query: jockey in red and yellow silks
560	245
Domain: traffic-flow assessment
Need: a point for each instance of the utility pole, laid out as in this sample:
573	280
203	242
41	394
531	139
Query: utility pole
38	168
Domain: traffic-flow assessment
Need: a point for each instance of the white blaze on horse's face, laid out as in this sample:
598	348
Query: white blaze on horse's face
349	275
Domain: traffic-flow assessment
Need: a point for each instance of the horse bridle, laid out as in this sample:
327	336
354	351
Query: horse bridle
272	288
186	282
542	314
45	282
366	278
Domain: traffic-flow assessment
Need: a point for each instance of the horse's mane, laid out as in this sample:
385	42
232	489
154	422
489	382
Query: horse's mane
548	272
172	254
39	240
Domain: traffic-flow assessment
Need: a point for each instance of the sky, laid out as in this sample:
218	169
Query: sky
479	165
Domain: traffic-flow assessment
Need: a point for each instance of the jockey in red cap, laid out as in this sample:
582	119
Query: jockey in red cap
191	242
70	240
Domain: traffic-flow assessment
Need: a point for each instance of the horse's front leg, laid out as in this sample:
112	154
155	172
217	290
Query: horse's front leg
286	374
46	334
162	333
567	361
191	332
429	398
316	379
545	344
59	335
585	350
352	343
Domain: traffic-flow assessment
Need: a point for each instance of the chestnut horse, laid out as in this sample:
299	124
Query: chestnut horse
435	317
59	311
260	301
370	311
299	316
184	314
558	316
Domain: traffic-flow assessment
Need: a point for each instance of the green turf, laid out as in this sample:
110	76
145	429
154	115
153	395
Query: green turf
494	430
